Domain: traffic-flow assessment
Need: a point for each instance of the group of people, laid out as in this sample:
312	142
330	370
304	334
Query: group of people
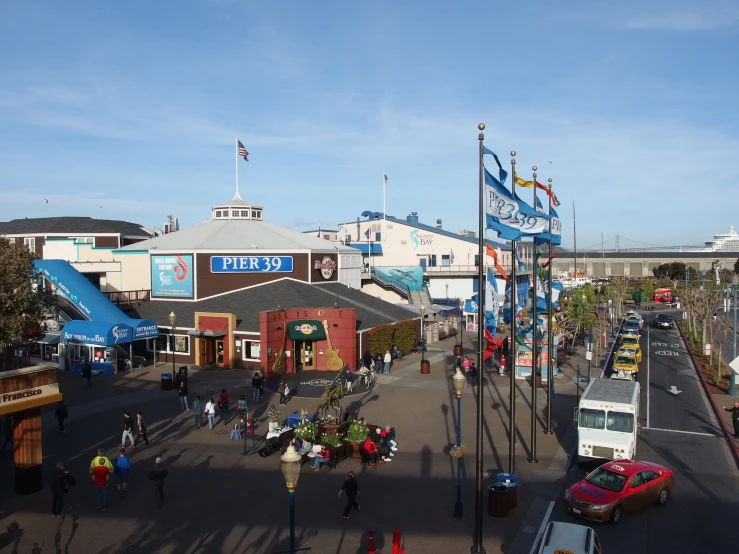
468	368
379	362
380	446
129	426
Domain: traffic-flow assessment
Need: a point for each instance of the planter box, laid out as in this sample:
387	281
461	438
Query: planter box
352	450
331	430
338	453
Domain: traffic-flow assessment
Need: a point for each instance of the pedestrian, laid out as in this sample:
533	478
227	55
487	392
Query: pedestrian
351	489
388	360
256	386
473	374
466	367
121	470
100	476
94	462
86	374
243	411
734	418
457	364
157	477
127	431
61	480
367	359
223	405
210	410
283	390
505	347
183	396
7	432
61	413
197	410
141	429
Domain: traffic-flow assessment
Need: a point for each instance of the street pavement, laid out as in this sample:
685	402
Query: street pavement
679	430
218	500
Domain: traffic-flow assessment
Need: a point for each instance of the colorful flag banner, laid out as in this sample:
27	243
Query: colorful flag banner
502	173
492	303
543	238
493	253
242	151
508	216
522	294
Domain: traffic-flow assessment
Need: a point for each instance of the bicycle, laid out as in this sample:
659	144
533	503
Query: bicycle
369	380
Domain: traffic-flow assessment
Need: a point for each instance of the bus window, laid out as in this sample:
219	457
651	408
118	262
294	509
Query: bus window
621	422
592	419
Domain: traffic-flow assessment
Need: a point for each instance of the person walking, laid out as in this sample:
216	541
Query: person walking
351	489
121	470
94	462
210	410
473	374
734	418
367	359
86	374
61	480
223	405
256	386
466	366
141	429
243	409
183	396
197	410
157	477
100	477
388	360
61	413
283	390
127	431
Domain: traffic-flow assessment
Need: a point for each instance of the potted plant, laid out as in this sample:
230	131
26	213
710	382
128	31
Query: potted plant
356	432
328	425
458	451
306	431
335	445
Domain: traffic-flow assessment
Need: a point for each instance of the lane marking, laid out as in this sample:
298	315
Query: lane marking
680	431
544	522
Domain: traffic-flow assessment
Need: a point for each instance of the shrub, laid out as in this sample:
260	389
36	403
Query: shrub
332	440
306	430
402	334
357	431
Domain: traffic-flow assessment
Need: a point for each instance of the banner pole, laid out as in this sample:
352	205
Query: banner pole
550	332
512	393
532	459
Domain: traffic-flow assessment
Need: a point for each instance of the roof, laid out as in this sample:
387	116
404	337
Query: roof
566	537
237	202
72	225
248	303
237	234
629	467
605	390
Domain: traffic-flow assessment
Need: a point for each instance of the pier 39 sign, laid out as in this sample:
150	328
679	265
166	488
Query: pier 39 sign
251	264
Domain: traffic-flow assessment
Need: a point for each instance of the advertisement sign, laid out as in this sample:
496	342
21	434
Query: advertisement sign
251	264
249	427
96	332
171	276
524	358
34	393
326	266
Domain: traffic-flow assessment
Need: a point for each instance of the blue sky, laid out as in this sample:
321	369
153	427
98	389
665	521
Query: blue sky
134	106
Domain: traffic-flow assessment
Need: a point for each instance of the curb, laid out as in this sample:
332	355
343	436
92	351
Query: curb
729	436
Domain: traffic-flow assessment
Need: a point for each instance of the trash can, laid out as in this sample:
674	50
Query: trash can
511	481
166	381
498	500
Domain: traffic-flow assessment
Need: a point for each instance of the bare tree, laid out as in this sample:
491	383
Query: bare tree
619	286
723	329
710	301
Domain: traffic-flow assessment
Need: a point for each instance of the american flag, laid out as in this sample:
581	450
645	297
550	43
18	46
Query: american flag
242	151
385	177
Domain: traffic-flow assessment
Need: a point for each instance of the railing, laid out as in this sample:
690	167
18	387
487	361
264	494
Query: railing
445	269
391	282
128	297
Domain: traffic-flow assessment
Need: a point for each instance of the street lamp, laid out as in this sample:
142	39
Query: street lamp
733	389
290	465
425	365
172	319
458	383
461	327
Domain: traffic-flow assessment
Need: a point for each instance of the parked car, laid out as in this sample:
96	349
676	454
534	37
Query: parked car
561	537
663	321
619	488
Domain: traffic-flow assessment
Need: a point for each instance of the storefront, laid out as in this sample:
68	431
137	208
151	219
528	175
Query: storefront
98	343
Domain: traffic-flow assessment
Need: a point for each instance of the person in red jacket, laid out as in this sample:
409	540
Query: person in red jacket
370	449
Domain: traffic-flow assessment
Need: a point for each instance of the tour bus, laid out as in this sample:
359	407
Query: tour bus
607	420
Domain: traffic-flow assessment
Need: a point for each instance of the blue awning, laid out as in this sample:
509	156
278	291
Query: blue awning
364	248
101	333
143	328
470	306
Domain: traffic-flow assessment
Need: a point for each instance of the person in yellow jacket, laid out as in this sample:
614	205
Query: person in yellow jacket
95	462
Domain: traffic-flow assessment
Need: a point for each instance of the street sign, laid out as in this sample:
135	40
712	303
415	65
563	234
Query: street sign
249	427
707	349
588	355
735	365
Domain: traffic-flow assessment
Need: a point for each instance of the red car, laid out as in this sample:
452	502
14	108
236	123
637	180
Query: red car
619	488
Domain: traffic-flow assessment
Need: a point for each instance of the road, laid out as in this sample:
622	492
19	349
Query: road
680	432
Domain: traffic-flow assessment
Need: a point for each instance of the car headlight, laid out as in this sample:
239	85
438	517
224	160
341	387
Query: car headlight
598	506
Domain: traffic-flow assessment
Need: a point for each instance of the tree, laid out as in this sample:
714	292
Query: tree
708	303
647	287
22	302
619	285
736	266
674	271
723	330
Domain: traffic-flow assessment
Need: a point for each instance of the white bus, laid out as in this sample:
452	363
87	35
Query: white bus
607	420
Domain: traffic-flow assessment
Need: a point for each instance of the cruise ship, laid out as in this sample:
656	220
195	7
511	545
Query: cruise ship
724	242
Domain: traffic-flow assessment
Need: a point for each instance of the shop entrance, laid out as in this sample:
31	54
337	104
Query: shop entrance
219	353
207	352
305	355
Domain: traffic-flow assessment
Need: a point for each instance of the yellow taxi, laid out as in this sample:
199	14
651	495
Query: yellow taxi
635	348
625	362
629	339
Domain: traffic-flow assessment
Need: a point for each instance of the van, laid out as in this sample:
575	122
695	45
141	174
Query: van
568	538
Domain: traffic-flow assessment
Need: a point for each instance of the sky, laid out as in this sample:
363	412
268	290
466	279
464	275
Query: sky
129	110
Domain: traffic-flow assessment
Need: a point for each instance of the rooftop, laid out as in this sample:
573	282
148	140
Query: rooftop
248	303
72	225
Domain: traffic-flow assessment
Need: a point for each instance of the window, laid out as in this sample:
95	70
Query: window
256	214
620	422
477	259
245	214
326	237
30	244
648	475
445	261
605	479
432	260
592	419
234	213
250	350
218	213
85	240
378	237
348	238
164	344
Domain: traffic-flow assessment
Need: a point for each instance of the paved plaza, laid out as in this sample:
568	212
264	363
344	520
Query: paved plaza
220	501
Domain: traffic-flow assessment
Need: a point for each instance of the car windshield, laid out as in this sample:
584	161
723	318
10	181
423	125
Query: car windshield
620	422
592	419
609	480
664	318
624	360
631	324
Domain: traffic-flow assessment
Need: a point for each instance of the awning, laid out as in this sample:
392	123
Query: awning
207	333
50	339
305	329
364	248
100	333
143	328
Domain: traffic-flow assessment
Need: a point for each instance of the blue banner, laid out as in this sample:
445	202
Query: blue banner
251	264
171	276
100	333
543	238
522	296
492	303
510	217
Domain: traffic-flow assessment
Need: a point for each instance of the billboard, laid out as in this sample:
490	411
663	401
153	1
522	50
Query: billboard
171	276
251	264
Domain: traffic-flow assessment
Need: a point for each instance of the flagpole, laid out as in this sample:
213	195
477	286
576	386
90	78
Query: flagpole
532	459
550	332
384	218
477	546
237	167
512	394
574	232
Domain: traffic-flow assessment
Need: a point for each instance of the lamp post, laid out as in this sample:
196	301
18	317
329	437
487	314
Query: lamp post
458	382
172	319
733	390
458	347
425	364
290	465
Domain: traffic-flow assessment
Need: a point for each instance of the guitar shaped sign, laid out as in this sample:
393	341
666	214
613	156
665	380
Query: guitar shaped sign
333	362
279	367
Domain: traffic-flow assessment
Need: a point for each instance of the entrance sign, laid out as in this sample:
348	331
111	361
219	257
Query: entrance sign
251	264
171	276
